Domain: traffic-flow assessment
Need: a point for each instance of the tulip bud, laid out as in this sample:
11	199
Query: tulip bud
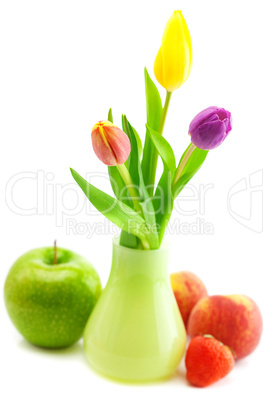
174	59
209	128
110	144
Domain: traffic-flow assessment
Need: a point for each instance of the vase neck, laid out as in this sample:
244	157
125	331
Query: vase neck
131	262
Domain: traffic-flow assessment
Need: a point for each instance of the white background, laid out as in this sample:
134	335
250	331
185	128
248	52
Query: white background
63	64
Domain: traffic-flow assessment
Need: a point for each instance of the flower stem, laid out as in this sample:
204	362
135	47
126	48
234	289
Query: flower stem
155	153
164	112
130	187
181	166
55	252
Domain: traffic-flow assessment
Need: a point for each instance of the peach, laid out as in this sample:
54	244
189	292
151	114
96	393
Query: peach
188	289
234	320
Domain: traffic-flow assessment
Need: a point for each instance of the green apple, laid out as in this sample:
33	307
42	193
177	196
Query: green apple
49	295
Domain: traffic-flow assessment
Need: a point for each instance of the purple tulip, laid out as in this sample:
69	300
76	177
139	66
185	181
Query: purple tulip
209	128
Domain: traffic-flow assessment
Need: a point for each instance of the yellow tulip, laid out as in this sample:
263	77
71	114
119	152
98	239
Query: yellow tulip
174	59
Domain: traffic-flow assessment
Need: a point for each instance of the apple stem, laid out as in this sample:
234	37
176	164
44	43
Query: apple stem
55	252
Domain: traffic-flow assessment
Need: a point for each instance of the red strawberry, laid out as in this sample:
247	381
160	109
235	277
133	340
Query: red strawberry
207	361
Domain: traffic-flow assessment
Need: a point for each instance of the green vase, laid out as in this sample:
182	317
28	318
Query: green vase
136	333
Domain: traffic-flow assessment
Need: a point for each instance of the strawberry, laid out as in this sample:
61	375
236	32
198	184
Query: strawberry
207	361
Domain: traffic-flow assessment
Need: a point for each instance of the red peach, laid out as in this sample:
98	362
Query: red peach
234	320
188	289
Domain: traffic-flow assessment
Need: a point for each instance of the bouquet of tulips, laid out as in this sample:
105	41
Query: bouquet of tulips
142	207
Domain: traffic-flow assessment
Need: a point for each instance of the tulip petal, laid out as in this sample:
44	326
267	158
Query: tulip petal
111	145
119	143
202	116
189	43
210	127
174	58
228	121
175	53
209	135
102	148
158	67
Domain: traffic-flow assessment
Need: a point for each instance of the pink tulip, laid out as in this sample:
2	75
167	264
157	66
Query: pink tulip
110	144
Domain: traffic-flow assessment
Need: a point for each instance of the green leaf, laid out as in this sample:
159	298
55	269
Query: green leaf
120	214
192	166
133	159
128	240
163	200
153	102
139	142
133	165
154	112
135	171
164	149
136	142
124	128
149	216
110	115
